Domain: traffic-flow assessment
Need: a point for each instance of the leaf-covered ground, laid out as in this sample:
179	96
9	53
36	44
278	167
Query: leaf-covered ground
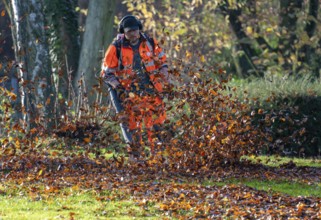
174	193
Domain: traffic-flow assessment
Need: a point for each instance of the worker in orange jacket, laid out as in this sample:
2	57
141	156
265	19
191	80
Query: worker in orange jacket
135	66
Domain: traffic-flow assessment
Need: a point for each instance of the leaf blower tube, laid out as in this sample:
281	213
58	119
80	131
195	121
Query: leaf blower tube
118	107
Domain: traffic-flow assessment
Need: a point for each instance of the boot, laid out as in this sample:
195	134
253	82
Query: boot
159	143
134	152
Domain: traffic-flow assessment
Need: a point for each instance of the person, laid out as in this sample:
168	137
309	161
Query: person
136	71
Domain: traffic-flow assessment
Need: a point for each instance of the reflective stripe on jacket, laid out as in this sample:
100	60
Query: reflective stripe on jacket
152	58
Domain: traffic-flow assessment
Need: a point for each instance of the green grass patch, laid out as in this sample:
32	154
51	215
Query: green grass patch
274	186
278	186
276	161
78	206
286	187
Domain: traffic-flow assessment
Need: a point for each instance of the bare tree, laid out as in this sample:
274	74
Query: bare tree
33	62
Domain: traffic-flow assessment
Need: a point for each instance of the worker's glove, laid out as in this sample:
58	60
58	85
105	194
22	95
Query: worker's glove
164	73
114	83
111	80
167	80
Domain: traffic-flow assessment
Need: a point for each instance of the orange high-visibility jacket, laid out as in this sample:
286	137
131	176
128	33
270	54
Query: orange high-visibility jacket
153	59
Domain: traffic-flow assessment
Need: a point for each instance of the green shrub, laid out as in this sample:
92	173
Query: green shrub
290	111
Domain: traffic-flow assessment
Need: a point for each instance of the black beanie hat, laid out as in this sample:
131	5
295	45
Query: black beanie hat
130	24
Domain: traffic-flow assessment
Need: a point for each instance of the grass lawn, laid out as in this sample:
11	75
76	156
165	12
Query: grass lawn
275	161
80	205
276	186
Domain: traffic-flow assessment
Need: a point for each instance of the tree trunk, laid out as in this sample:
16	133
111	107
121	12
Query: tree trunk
307	54
244	60
254	19
98	35
32	56
288	15
83	6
